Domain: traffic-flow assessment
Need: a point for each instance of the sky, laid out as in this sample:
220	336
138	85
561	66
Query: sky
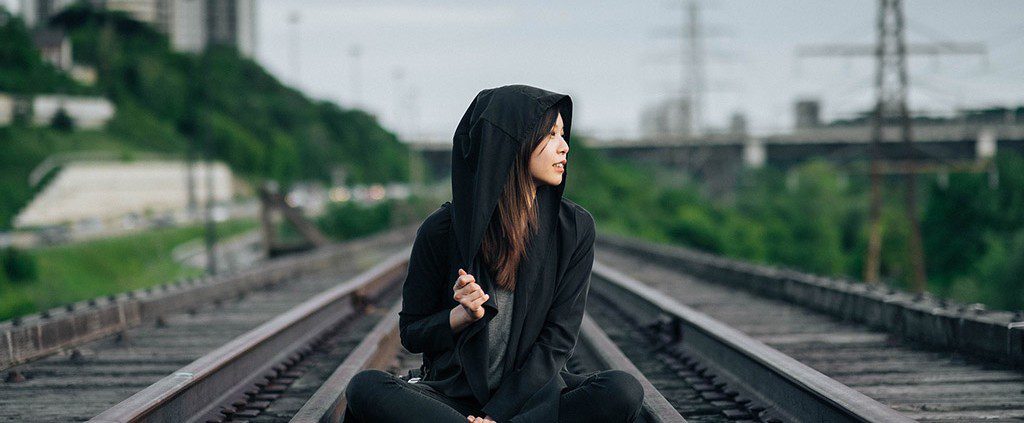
421	63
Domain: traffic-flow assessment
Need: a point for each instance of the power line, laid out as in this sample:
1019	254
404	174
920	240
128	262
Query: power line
890	52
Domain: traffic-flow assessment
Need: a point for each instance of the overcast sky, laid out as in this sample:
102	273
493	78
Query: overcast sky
610	57
422	62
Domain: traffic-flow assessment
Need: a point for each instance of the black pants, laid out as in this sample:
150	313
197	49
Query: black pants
376	396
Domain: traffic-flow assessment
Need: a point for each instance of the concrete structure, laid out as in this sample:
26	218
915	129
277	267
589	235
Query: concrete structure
6	109
718	159
87	112
233	23
184	22
54	46
109	190
808	113
37	12
190	25
669	117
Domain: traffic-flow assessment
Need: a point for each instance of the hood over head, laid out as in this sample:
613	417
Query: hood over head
486	142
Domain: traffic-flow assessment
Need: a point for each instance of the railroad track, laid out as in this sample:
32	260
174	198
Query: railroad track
690	365
922	382
381	349
254	377
100	373
701	352
712	372
245	376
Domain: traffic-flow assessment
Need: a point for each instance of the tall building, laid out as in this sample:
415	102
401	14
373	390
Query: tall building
667	118
232	22
190	25
185	24
36	12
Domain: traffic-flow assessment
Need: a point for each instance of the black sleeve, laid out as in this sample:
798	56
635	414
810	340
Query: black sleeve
556	339
423	322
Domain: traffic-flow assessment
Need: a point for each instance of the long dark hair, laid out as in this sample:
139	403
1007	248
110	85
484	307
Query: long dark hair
514	221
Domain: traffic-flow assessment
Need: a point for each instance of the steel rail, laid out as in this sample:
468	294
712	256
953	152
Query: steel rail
198	390
378	347
789	389
656	408
382	344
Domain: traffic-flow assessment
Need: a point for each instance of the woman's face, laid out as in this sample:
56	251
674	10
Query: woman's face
547	163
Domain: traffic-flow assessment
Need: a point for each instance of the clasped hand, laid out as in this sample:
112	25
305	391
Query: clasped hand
470	296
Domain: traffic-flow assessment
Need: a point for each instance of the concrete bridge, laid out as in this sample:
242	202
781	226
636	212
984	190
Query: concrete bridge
718	158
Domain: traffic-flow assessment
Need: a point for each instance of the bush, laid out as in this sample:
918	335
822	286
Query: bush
62	121
350	220
18	265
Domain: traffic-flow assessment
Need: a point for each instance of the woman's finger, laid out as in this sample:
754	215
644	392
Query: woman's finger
472	287
479	301
466	290
462	292
464	280
468	298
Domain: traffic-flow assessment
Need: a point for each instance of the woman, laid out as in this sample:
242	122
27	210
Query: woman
498	282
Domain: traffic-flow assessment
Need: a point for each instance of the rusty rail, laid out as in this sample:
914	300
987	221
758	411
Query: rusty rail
791	390
382	344
197	391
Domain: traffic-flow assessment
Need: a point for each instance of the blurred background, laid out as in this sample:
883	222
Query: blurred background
147	140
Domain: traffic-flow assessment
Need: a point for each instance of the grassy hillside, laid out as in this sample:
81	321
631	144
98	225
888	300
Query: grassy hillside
167	100
75	272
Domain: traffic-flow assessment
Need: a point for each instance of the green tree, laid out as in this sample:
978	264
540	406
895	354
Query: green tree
18	265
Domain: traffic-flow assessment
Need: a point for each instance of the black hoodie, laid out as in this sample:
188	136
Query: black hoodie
552	280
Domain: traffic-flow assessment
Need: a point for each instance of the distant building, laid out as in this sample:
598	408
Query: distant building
54	46
37	12
233	23
808	113
184	22
87	112
6	109
738	123
668	118
190	25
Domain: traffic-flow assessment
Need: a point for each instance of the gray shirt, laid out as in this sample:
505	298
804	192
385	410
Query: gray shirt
498	331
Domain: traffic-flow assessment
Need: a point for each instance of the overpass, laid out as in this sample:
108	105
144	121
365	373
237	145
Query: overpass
718	158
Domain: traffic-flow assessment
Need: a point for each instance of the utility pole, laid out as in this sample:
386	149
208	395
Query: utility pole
692	34
891	93
357	90
398	74
293	54
211	226
891	106
190	179
694	63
